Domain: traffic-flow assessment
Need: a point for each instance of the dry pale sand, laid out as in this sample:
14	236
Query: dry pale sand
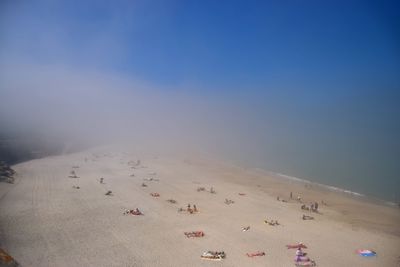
44	221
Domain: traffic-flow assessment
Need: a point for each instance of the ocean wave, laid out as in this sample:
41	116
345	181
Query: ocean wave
329	187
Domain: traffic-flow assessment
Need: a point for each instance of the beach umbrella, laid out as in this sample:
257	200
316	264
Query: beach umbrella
366	252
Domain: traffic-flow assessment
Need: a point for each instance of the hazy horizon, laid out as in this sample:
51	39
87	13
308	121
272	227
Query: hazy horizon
306	89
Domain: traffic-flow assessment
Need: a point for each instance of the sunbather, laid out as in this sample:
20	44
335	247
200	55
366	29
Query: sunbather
213	255
133	212
272	222
304	207
244	229
305	263
255	254
299	245
194	234
229	201
136	212
307	217
301	259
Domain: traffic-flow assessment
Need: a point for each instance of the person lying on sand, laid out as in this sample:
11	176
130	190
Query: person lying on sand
133	212
155	194
307	217
109	193
255	254
136	212
244	229
304	207
305	263
213	255
229	201
75	187
152	179
272	222
189	209
301	259
299	245
194	234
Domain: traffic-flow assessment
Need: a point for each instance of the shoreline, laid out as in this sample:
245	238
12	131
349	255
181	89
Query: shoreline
330	188
345	192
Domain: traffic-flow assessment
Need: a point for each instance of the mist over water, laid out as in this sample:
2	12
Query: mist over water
62	90
351	150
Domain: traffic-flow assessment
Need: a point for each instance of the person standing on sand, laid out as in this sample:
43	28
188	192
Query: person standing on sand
291	195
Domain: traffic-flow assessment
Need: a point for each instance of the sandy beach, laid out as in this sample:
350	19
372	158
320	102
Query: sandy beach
46	221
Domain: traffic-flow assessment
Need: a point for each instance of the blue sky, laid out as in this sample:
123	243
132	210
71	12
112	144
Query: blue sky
308	88
216	44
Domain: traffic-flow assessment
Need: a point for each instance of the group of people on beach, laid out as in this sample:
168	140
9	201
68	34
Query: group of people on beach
313	207
133	212
190	209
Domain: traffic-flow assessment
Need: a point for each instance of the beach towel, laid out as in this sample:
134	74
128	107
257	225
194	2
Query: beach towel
366	252
301	259
213	255
194	234
255	254
296	246
306	263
